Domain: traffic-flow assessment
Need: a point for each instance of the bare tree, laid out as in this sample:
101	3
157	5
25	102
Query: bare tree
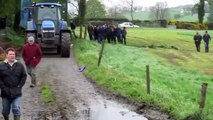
79	10
95	9
132	7
159	11
115	11
81	14
210	17
131	4
73	7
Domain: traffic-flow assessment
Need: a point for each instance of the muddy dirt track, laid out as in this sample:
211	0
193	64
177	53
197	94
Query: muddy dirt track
76	97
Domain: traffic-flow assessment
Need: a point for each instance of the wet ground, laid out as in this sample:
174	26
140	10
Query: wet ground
76	97
113	111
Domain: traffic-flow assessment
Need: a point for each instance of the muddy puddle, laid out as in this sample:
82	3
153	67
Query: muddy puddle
112	111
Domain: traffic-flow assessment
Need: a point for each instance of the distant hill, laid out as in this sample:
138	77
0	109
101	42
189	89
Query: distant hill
184	13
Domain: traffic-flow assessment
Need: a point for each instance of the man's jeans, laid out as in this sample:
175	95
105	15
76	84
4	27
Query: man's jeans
32	72
206	46
8	102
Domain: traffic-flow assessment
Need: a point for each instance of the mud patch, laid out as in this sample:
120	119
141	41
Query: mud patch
61	108
54	115
161	46
172	58
208	70
47	115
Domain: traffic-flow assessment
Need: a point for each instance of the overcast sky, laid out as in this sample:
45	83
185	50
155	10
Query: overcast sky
148	3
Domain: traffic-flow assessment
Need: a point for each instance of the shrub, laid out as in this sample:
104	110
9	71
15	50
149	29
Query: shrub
191	26
162	23
172	22
210	26
203	26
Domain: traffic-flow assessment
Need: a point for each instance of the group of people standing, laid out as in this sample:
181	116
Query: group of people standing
206	38
110	32
13	76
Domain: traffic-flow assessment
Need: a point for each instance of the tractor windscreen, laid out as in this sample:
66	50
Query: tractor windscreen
48	12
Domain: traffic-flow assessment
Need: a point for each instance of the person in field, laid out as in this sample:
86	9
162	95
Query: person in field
206	39
124	33
197	40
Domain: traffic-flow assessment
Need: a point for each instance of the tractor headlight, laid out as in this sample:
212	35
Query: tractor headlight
45	31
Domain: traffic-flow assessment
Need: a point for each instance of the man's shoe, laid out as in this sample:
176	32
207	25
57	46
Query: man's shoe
32	85
6	117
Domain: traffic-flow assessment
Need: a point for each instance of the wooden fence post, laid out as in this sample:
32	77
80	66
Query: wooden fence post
203	95
101	52
147	79
85	32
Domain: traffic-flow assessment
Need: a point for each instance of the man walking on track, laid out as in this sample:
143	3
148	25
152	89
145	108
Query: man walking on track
12	79
32	56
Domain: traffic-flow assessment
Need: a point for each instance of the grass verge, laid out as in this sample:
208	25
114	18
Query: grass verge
47	95
174	88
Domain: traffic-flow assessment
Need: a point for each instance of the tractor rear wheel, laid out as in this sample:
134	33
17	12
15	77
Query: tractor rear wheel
65	45
58	49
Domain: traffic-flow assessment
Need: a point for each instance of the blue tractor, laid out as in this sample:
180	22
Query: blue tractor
44	22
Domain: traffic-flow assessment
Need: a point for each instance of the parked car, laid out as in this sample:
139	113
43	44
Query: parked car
127	24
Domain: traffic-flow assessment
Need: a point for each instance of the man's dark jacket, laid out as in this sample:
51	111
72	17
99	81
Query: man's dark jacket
206	38
197	38
12	79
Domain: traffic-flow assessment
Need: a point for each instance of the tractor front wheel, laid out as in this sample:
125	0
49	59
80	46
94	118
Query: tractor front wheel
65	45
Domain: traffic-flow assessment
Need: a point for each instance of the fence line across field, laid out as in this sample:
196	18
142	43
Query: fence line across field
203	88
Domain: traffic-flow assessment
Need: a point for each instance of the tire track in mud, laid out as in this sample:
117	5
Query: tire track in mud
33	108
72	90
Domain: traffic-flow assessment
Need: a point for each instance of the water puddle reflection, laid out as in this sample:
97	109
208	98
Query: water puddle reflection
113	111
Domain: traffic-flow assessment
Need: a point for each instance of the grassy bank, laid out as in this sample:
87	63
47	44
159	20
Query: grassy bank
10	36
176	75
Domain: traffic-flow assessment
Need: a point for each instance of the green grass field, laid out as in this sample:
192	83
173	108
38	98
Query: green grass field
176	74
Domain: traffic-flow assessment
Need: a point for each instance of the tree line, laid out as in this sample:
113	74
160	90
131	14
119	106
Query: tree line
95	9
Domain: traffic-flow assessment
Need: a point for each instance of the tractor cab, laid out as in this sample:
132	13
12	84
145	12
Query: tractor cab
47	16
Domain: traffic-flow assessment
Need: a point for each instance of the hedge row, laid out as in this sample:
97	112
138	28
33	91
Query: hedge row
188	25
